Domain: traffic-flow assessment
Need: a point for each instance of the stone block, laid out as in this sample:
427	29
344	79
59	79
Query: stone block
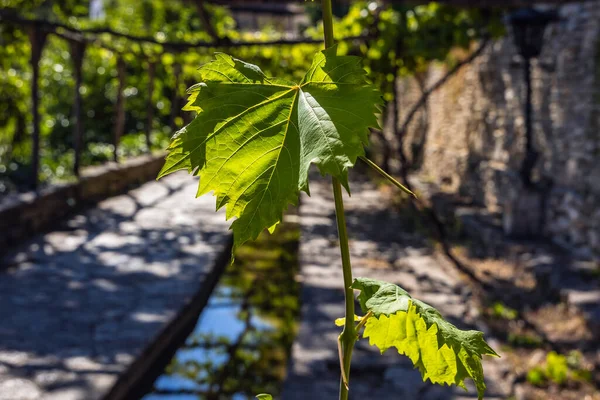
523	213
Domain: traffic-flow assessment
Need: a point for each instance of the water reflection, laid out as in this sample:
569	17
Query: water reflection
243	338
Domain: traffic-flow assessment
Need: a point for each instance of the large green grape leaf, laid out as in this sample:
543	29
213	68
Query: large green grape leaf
254	137
443	353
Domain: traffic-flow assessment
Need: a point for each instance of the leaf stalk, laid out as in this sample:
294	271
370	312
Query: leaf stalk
387	176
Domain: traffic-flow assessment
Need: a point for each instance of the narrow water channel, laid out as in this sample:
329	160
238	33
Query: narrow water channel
243	337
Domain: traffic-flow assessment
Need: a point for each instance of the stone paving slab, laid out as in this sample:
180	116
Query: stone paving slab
79	304
380	249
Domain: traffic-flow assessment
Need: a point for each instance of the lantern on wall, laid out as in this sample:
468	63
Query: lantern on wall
524	211
528	27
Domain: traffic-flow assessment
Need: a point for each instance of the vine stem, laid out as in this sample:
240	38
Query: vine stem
348	336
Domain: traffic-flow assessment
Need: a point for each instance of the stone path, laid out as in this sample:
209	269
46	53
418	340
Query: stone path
78	304
382	249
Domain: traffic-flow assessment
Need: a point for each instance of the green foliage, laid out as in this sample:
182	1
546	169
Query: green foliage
501	311
264	396
556	367
405	39
536	376
254	137
178	21
56	92
559	369
443	353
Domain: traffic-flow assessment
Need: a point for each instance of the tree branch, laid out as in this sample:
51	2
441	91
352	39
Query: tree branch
426	93
172	46
206	23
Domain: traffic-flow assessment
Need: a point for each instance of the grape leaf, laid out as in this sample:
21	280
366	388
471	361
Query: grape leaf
443	353
264	396
254	137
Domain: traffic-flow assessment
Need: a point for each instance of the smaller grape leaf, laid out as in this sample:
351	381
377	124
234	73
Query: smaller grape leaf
443	353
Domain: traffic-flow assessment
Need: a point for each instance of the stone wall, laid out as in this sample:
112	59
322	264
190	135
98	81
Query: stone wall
469	139
30	213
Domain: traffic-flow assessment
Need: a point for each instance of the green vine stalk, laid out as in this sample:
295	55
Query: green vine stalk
348	336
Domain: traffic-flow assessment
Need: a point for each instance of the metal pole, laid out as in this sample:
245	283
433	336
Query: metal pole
120	112
530	152
175	109
77	51
150	105
37	39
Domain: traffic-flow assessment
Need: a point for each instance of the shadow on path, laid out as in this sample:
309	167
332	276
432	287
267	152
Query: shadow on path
78	304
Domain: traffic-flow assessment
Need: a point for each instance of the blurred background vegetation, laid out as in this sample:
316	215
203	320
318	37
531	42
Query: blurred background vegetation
395	41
